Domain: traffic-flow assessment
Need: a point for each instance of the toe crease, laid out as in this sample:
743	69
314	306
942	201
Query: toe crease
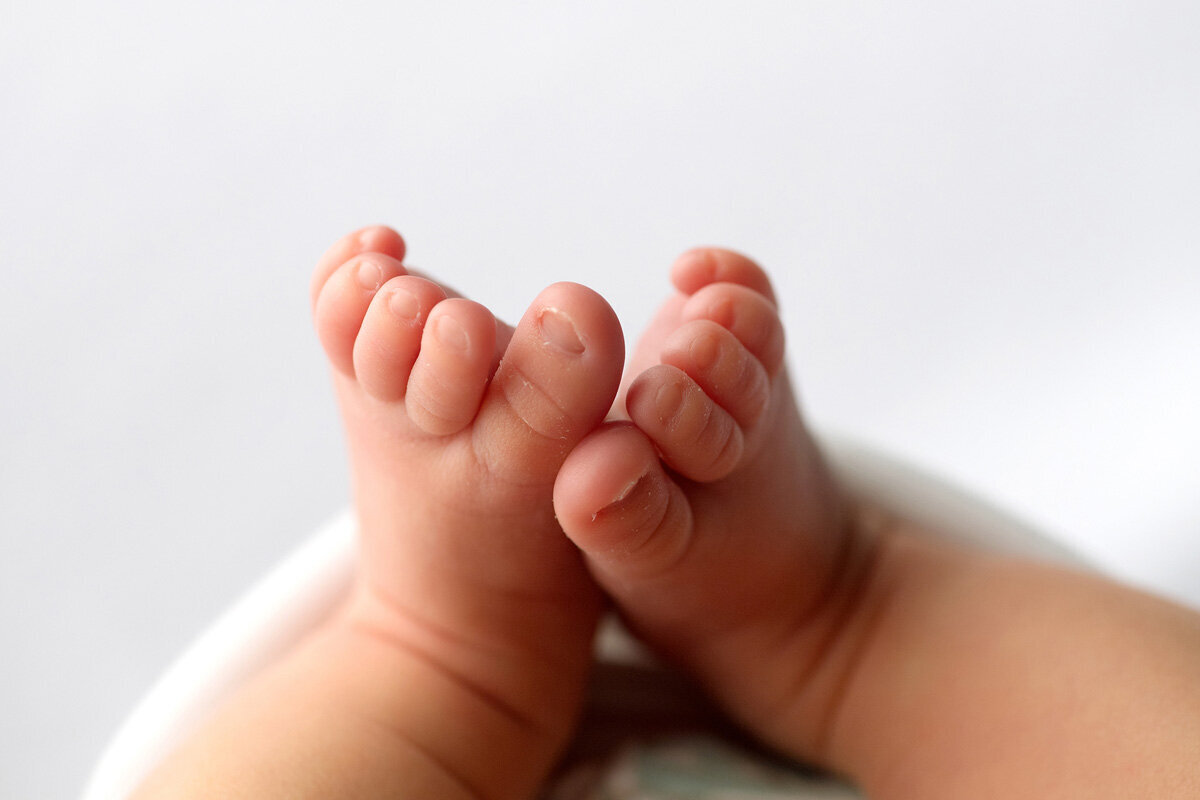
556	415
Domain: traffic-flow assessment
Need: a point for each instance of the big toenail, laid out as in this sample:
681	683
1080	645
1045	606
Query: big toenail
404	304
559	330
667	401
704	351
369	274
451	333
621	495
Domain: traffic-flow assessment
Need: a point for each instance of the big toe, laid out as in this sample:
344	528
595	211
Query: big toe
616	503
555	383
636	529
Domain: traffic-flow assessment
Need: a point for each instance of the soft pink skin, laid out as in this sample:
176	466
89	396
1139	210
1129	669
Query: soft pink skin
839	635
457	426
832	632
710	517
456	669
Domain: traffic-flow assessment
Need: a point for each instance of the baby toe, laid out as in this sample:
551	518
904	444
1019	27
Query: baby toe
748	315
343	301
697	437
372	239
451	370
722	367
390	337
646	542
697	268
615	502
555	383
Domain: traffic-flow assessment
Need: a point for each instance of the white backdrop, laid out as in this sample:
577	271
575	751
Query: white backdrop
984	220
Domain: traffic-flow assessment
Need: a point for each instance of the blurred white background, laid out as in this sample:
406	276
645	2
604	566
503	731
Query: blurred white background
984	220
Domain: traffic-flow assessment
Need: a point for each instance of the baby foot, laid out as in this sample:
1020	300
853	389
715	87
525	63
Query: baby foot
710	518
457	426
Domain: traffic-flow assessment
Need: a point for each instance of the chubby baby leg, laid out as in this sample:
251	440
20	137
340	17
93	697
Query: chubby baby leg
842	636
457	667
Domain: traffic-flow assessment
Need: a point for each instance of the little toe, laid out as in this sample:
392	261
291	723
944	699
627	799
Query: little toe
555	383
697	268
390	337
450	374
697	437
343	301
745	313
372	239
720	365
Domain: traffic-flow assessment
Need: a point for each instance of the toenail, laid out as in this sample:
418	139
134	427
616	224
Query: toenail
667	401
704	351
369	274
694	258
559	330
404	304
721	312
625	491
451	333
